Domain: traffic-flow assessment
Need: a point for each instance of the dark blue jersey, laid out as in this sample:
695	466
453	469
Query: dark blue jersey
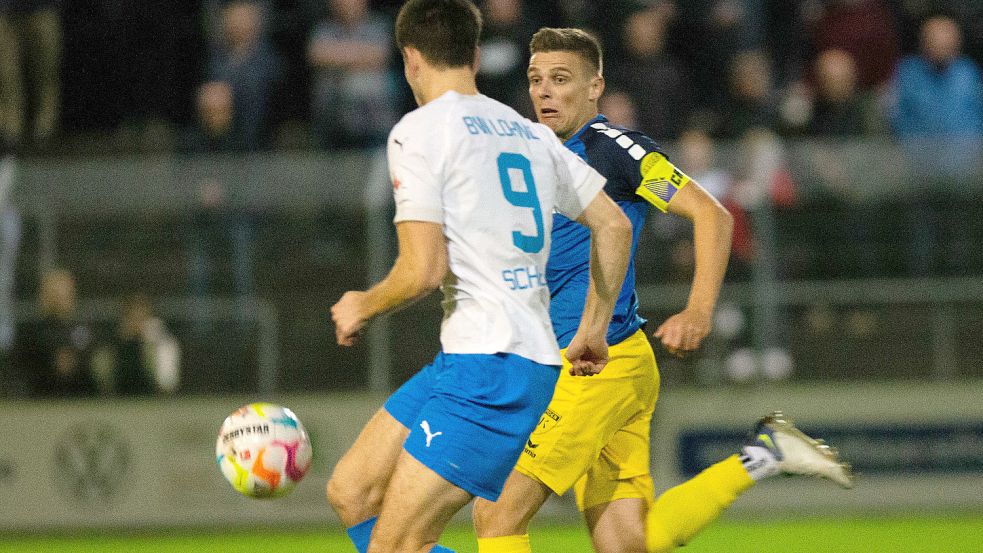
638	176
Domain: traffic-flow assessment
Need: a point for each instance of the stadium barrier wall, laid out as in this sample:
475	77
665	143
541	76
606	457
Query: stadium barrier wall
150	463
916	446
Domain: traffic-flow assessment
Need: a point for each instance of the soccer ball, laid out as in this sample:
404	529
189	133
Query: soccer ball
263	450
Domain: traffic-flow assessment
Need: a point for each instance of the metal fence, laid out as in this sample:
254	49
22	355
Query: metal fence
858	265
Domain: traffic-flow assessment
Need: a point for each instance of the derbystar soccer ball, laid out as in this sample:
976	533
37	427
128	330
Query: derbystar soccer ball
263	450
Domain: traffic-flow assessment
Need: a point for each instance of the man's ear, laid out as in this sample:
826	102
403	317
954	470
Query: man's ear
412	59
477	60
596	88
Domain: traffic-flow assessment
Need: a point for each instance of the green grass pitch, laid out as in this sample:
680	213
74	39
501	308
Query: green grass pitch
936	534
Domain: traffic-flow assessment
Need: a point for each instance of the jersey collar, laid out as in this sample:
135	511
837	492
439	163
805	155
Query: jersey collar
576	136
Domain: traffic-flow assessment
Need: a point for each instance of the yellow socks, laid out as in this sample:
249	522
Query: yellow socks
681	512
505	544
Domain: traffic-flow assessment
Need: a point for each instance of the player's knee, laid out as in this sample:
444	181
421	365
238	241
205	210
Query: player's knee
354	496
629	538
481	516
497	519
336	492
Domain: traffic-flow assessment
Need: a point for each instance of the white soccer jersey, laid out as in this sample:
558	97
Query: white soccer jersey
492	178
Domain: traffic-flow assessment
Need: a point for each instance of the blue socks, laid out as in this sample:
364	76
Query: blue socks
361	532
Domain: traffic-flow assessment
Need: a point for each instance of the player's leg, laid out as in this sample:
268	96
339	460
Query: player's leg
468	435
583	416
631	522
616	492
417	508
616	496
684	510
776	447
360	479
503	526
618	525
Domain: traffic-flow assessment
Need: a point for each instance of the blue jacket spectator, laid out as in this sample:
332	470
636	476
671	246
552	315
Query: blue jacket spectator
939	111
936	100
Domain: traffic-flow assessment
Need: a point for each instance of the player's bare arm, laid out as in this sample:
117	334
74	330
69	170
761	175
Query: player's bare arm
712	227
609	252
419	269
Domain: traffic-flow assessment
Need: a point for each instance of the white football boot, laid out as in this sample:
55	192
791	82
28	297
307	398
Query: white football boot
799	454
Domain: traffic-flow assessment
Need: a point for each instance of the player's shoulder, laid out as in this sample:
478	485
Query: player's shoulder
614	142
419	119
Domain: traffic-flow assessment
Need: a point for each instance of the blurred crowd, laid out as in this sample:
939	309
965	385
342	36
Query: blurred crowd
246	75
59	354
191	77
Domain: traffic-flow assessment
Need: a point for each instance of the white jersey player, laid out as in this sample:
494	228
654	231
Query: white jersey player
475	187
492	179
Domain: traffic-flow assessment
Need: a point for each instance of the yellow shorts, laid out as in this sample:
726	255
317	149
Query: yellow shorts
594	436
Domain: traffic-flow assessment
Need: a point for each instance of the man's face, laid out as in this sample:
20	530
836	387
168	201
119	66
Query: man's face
242	21
564	90
349	11
215	107
941	40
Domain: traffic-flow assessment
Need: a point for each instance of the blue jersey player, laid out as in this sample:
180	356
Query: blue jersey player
594	436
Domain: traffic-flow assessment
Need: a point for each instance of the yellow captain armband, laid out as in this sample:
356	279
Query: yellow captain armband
660	180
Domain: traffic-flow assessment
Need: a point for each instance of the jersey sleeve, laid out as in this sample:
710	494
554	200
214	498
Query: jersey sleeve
416	189
658	179
579	182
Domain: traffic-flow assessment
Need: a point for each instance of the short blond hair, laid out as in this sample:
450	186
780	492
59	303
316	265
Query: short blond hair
577	41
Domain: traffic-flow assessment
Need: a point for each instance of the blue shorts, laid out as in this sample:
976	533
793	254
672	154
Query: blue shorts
469	415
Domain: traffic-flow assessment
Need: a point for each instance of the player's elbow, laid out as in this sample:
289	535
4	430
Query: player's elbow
429	277
723	216
416	276
428	282
725	221
618	224
715	216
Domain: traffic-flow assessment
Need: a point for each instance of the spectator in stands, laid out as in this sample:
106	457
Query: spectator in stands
838	109
839	114
834	105
354	99
939	94
214	132
220	230
504	41
655	80
725	28
751	101
242	73
233	116
30	38
54	355
866	30
788	38
939	120
143	358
